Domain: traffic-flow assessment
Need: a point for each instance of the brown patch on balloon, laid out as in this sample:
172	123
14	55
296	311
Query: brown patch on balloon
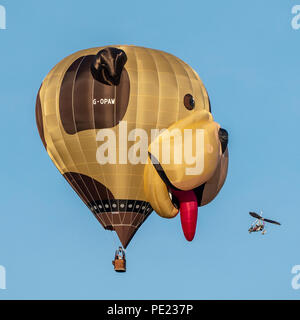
85	103
39	118
89	190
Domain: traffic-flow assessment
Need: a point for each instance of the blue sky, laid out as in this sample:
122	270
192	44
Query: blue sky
247	55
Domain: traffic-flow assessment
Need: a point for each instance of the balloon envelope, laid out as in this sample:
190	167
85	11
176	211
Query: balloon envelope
123	89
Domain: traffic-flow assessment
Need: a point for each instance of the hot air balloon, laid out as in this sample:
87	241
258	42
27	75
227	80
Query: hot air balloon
103	114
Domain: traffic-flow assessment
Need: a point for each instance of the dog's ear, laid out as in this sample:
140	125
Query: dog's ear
223	136
108	65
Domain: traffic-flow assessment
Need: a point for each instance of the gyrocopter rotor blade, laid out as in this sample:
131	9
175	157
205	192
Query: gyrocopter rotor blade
272	221
255	215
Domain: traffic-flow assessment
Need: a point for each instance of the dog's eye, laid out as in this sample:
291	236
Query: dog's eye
189	102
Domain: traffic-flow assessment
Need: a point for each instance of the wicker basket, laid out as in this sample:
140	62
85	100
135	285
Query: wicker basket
120	265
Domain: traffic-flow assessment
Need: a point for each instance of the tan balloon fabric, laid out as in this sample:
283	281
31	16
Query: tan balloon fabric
151	94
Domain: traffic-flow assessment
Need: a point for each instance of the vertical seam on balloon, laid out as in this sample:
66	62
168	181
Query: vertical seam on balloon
59	87
93	113
130	169
133	206
163	54
136	115
115	124
76	135
159	83
178	97
58	124
93	200
141	183
87	201
203	91
49	137
187	74
126	199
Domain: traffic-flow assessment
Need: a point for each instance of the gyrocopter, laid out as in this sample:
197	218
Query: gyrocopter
259	224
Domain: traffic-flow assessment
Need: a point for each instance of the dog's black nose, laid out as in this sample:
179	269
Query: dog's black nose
108	65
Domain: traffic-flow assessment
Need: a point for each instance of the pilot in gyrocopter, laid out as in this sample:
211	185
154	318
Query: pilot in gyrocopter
259	223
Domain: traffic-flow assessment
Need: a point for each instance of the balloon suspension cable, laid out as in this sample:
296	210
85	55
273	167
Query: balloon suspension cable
116	240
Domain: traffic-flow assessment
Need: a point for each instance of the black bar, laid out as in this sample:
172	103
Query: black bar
141	309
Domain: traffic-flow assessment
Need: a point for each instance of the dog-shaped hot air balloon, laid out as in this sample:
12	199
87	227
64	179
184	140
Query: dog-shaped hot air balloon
106	117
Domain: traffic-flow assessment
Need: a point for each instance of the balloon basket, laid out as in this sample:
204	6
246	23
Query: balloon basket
119	265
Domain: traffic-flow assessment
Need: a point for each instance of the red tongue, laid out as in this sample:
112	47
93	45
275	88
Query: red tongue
188	212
